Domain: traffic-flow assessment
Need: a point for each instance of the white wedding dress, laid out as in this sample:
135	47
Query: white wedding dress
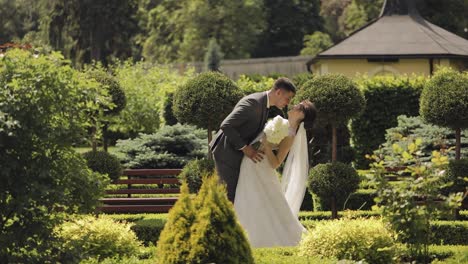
267	209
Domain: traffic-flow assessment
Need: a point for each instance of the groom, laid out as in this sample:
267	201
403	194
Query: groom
241	126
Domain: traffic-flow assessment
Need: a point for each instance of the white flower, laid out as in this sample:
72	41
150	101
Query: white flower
276	129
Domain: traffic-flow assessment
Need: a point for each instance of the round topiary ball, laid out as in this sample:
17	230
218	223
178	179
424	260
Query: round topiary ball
444	100
103	162
206	100
334	179
113	87
335	96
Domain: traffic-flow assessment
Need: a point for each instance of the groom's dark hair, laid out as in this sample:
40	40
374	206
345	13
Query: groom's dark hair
285	84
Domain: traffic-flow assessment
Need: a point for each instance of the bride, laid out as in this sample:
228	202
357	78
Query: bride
267	209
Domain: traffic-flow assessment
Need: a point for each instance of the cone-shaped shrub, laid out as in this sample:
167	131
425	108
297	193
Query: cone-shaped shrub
173	245
216	236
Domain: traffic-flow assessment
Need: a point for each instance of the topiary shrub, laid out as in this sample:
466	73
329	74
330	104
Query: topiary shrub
168	114
444	102
387	97
206	100
457	172
170	147
194	171
173	246
91	237
360	239
333	182
337	99
216	236
103	162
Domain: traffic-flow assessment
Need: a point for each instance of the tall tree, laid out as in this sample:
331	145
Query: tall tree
288	21
181	30
16	19
90	30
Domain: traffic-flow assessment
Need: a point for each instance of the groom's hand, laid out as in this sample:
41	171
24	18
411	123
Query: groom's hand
254	155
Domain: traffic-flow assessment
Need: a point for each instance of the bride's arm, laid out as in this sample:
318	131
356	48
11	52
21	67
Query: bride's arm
284	146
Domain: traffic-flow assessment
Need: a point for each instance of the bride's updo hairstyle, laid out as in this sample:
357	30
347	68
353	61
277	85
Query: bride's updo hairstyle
310	113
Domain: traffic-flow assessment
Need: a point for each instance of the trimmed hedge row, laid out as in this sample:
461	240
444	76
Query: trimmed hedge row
387	97
148	226
362	199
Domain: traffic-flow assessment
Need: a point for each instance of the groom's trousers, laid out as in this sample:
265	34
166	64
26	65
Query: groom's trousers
229	176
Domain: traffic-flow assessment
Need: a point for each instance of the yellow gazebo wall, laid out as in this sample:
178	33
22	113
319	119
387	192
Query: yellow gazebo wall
353	67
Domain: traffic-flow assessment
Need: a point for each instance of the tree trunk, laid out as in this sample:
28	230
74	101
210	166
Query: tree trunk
104	137
210	137
334	143
333	208
458	143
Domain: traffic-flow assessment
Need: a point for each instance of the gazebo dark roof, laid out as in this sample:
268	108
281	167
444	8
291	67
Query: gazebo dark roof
399	32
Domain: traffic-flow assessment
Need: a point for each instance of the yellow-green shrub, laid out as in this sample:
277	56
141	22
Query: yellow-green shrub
358	239
102	237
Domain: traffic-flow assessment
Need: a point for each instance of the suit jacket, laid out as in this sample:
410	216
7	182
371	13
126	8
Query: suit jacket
239	128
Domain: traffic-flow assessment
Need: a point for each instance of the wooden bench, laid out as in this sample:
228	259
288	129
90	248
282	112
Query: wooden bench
149	203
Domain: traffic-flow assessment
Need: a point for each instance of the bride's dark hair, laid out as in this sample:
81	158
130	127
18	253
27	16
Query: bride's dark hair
310	113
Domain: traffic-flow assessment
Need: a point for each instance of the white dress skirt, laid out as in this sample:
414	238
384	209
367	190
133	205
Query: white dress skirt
262	208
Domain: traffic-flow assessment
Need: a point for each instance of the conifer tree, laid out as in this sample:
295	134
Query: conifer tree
216	236
173	245
213	56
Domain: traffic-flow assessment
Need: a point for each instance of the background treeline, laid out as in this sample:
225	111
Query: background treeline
174	31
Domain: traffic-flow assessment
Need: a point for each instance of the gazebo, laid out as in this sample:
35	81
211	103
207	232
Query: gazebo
399	41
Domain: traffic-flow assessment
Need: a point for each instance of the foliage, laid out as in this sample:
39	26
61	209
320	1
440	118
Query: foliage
174	242
43	110
410	205
249	85
87	30
336	97
170	147
353	18
450	15
457	173
316	43
206	100
216	235
146	87
99	237
181	30
444	100
431	138
194	172
359	239
287	255
168	114
104	163
387	97
287	22
213	56
301	78
333	182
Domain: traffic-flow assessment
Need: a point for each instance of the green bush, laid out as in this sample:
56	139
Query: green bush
168	114
104	163
206	100
170	147
216	236
360	239
146	86
449	233
174	242
387	98
91	237
194	172
333	182
337	100
457	172
249	85
44	104
444	101
432	138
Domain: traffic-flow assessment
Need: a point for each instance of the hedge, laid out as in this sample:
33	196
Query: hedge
387	97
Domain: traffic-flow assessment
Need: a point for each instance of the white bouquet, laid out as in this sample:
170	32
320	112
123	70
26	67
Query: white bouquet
276	129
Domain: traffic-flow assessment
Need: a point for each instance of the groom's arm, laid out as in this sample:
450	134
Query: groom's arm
239	116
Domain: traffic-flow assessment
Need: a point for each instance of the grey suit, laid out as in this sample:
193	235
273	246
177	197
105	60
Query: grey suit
238	129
